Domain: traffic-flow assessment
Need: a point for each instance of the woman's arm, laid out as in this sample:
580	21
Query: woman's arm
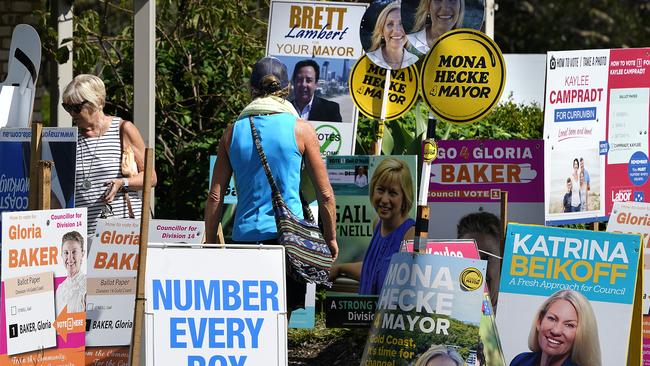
220	179
310	148
131	136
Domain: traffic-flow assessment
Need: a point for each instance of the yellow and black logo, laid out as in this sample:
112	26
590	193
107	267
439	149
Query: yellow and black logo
471	279
429	150
367	85
463	76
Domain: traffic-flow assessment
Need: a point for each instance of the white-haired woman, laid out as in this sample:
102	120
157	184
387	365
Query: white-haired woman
101	184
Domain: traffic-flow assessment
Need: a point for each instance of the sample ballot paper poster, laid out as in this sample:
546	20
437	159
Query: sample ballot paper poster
43	303
596	130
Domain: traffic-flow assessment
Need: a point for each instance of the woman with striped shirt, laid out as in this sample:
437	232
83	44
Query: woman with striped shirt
100	184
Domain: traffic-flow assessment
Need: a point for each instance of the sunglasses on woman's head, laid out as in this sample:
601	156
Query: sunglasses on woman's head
74	108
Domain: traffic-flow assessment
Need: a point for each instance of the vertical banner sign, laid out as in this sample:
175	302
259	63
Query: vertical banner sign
469	175
580	274
113	264
596	131
367	82
216	306
463	76
59	146
634	218
43	307
627	168
427	302
324	34
491	352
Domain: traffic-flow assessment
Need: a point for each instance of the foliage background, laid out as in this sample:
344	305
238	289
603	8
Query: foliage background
205	49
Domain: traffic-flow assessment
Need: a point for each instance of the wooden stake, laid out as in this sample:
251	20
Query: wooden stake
34	157
136	340
44	184
504	219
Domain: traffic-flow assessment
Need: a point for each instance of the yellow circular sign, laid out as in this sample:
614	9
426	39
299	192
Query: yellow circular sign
471	279
463	76
430	150
367	82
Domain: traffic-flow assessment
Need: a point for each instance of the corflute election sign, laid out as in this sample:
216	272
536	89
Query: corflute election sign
463	76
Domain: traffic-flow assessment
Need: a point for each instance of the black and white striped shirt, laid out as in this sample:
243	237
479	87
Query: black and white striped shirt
99	161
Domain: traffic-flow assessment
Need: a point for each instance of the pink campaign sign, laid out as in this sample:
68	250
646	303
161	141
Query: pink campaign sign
478	170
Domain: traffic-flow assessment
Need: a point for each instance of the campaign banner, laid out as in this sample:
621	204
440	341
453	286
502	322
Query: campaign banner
58	145
633	218
42	306
325	34
469	175
216	306
584	279
627	167
595	122
427	302
112	274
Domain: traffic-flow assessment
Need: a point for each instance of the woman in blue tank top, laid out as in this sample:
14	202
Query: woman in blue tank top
287	141
391	194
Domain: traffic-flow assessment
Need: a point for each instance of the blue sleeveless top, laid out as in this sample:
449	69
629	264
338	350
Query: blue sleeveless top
377	259
254	219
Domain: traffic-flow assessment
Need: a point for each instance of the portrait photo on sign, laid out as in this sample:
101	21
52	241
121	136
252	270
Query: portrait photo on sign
319	88
426	20
383	36
575	182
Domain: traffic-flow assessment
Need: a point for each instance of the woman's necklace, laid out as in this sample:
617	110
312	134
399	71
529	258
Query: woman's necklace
86	183
394	65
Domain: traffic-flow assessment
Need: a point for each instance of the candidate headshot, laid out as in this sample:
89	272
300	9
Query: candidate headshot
564	332
71	293
432	19
388	48
311	107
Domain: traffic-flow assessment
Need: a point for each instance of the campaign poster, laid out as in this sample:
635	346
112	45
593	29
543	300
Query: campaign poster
595	126
113	264
43	301
490	351
583	279
469	175
216	306
633	218
58	145
428	303
356	218
627	167
326	33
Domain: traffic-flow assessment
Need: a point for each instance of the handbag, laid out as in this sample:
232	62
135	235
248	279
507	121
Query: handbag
128	165
308	256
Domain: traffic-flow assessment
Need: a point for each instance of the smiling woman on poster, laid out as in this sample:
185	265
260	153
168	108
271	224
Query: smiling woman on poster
388	41
391	195
432	19
564	333
71	293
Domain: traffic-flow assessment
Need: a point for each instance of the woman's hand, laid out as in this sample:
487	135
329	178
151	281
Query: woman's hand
334	248
113	186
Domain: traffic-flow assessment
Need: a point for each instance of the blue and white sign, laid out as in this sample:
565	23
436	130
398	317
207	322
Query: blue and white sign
216	306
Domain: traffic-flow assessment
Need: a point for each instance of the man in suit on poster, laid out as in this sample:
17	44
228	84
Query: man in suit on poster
309	106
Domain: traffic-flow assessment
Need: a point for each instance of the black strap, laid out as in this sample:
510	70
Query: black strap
29	65
265	164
